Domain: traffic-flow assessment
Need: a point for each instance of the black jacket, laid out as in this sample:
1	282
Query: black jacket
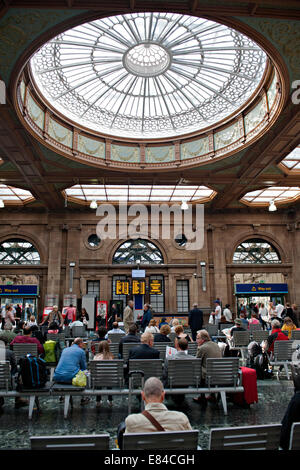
196	319
160	338
143	351
292	415
127	339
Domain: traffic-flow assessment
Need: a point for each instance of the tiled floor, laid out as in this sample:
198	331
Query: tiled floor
15	428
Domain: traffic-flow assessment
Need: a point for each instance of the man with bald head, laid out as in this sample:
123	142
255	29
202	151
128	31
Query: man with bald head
156	416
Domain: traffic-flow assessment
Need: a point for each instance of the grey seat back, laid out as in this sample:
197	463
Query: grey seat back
264	437
222	371
172	336
184	372
192	349
5	377
255	327
183	440
115	337
212	330
224	326
84	442
283	350
260	335
56	337
67	331
126	348
150	367
161	347
78	331
295	437
295	334
22	349
113	347
241	338
107	373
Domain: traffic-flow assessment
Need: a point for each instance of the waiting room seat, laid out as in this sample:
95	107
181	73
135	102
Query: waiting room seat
240	342
184	373
150	367
107	374
211	329
22	349
283	351
84	442
263	437
161	347
115	337
222	372
192	349
255	327
295	437
126	348
56	336
260	335
79	331
167	440
5	377
295	335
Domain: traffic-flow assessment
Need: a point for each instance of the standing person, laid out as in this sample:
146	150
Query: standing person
83	316
296	313
263	315
9	316
113	315
227	313
216	314
3	313
128	316
195	320
146	317
70	314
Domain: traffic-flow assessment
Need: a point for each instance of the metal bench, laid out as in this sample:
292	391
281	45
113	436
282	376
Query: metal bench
79	331
283	351
295	437
56	336
184	373
222	375
115	337
22	349
212	330
260	335
264	437
240	342
161	347
167	440
126	348
192	349
295	334
84	442
107	374
68	391
255	327
140	370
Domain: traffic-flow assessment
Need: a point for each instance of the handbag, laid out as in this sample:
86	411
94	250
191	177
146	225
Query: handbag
80	379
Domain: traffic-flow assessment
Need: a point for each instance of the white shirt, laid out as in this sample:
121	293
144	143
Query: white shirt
279	309
218	312
227	314
76	323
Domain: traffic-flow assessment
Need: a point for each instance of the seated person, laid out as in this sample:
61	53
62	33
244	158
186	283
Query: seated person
53	328
181	334
162	336
32	321
175	322
253	320
288	326
10	357
115	330
276	335
162	322
131	337
77	322
36	333
7	335
101	334
244	320
153	395
151	328
229	336
27	338
72	360
145	350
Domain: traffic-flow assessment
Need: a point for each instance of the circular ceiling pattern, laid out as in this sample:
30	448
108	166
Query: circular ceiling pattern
148	75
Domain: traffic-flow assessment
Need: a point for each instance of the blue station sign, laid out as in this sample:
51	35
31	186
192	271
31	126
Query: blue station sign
20	290
255	289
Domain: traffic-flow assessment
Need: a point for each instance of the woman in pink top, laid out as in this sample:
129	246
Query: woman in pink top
253	320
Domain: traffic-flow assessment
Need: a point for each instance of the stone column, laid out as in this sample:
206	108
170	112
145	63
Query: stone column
73	255
219	258
54	261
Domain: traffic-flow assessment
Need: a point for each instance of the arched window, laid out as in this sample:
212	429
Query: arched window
138	251
18	251
256	251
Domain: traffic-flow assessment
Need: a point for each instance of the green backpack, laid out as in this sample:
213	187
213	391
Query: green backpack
49	347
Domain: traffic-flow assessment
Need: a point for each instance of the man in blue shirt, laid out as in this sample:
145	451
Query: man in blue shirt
72	360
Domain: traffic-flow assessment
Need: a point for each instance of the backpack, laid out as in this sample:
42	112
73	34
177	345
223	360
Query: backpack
49	348
33	373
261	365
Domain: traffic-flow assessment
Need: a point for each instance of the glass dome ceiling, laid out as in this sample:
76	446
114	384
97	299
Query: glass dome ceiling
148	75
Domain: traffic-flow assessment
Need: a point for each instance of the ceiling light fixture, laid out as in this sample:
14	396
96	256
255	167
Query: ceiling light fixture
272	206
184	206
93	205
